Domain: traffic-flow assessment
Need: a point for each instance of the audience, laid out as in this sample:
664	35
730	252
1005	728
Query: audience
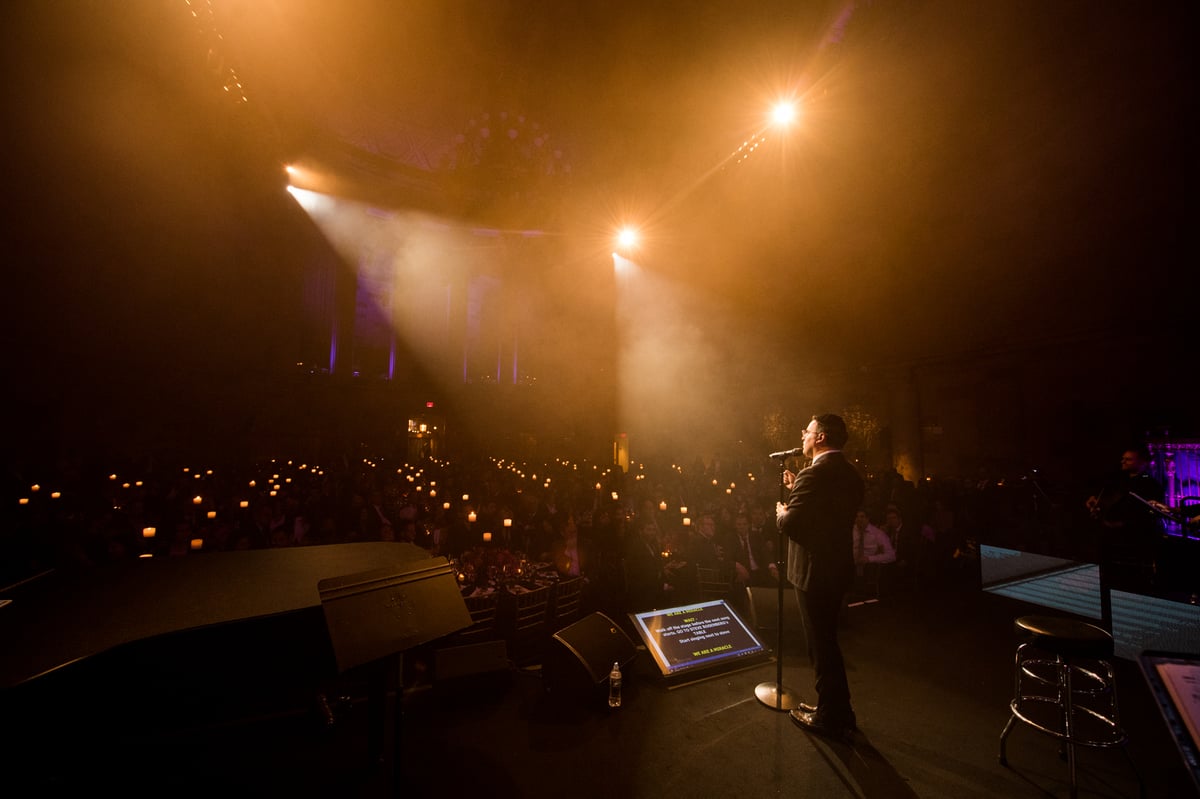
626	532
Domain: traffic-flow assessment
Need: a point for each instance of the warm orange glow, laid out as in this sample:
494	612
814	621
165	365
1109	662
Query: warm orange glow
784	113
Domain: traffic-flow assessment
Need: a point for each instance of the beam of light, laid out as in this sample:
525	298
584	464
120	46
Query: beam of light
780	117
666	337
312	202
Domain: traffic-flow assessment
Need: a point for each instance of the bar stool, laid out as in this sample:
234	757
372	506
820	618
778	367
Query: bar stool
1066	688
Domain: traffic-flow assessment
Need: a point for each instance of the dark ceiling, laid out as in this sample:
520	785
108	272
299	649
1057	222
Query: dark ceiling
965	177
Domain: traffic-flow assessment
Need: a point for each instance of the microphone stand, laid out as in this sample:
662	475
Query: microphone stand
775	695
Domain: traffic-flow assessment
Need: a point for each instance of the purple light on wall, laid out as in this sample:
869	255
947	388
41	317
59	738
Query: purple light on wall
333	342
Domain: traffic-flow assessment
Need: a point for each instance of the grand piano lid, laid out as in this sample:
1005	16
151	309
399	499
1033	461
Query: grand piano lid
64	616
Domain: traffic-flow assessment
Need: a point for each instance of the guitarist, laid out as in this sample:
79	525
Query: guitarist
1130	530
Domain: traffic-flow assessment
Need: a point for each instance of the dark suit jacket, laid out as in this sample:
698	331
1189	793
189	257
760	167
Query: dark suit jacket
758	548
819	517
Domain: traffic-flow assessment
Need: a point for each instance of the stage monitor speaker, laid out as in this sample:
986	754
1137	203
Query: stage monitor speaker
581	655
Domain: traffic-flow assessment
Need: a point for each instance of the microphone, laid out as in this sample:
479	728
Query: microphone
788	453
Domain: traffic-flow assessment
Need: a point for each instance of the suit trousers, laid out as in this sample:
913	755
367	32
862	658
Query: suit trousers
819	612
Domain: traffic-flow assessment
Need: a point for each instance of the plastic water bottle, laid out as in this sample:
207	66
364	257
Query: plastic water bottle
614	686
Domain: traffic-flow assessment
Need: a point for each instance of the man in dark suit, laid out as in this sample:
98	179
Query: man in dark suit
817	520
749	548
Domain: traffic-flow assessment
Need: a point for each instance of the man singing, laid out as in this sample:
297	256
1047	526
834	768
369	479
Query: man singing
817	520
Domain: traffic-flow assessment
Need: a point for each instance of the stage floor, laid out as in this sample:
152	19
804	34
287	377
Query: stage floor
930	673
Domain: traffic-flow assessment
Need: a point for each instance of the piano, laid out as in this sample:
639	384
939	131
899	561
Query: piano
133	654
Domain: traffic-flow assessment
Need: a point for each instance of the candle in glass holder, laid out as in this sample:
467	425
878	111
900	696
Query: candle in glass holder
508	522
487	536
23	501
244	504
197	543
683	510
466	497
445	506
687	522
662	505
149	532
196	500
212	514
471	516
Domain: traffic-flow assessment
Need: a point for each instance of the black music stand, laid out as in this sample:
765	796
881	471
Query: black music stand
374	617
775	695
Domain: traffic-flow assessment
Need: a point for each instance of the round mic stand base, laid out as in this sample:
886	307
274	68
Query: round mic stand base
776	696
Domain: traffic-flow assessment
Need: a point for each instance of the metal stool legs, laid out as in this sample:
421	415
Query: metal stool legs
1071	699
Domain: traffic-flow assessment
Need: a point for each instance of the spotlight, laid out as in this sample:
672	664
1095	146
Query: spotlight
627	238
784	113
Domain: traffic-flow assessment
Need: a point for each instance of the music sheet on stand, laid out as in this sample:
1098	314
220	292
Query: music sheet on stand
1182	681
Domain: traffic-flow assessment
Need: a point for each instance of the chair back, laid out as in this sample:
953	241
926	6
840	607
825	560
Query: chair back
483	609
529	611
565	602
713	583
525	628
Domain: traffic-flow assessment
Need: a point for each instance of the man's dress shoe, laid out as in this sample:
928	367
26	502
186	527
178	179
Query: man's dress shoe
813	723
852	723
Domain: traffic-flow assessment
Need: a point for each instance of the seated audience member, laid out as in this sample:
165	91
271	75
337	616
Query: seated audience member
645	582
708	549
871	544
914	545
571	556
750	553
